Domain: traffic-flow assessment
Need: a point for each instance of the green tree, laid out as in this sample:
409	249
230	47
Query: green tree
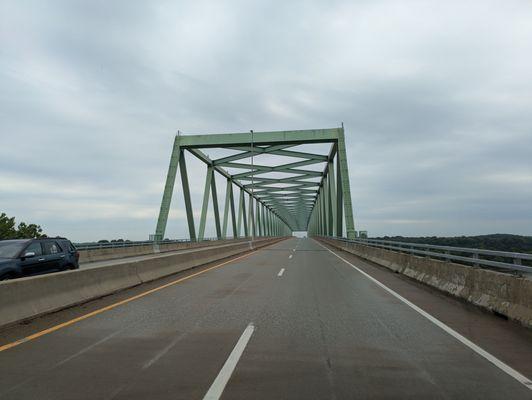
29	231
23	231
7	227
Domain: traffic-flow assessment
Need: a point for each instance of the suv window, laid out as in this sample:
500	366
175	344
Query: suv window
35	247
67	246
51	247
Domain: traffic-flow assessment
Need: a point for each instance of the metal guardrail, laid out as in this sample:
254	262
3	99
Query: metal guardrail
467	255
111	245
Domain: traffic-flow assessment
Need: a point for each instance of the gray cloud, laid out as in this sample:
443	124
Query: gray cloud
435	97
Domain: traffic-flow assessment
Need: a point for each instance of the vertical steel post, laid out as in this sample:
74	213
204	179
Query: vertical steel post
242	214
339	200
252	185
331	198
310	223
251	220
323	199
233	216
272	223
263	220
186	195
327	204
259	222
228	189
203	218
268	223
239	223
318	214
168	190
318	204
215	206
346	189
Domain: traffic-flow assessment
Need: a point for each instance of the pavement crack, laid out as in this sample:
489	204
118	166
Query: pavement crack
328	364
162	352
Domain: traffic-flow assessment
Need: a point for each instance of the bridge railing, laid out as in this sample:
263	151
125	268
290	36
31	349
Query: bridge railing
111	245
477	257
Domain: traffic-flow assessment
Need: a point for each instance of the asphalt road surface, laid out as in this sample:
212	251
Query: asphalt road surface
291	321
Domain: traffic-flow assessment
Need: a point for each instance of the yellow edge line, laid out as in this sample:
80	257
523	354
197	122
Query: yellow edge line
111	306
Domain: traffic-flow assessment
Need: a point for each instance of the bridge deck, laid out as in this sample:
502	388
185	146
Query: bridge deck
322	330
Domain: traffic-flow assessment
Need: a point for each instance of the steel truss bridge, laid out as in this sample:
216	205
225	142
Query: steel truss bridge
295	199
274	318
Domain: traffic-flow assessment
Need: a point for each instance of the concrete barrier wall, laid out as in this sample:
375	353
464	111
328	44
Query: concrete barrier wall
503	293
25	298
111	253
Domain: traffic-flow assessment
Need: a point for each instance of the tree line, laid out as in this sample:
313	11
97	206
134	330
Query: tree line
498	241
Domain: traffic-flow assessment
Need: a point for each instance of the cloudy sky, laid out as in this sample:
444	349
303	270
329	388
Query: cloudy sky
436	98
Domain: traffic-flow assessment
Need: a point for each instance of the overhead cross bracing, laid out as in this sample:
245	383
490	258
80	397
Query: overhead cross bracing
300	192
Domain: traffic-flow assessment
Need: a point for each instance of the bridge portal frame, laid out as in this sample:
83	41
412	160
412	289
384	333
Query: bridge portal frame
320	208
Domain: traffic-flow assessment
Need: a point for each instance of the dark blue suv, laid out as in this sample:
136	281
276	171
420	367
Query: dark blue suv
24	257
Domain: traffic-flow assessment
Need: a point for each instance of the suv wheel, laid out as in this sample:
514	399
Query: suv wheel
7	276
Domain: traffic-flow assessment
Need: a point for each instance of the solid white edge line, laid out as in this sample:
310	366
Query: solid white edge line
218	386
281	272
480	351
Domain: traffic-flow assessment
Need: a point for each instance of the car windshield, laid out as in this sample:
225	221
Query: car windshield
11	248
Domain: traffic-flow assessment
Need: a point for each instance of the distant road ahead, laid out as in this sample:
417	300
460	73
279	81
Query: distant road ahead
291	321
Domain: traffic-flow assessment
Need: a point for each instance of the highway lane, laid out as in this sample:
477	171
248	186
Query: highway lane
320	330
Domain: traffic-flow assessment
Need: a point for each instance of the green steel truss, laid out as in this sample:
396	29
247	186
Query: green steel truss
302	199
